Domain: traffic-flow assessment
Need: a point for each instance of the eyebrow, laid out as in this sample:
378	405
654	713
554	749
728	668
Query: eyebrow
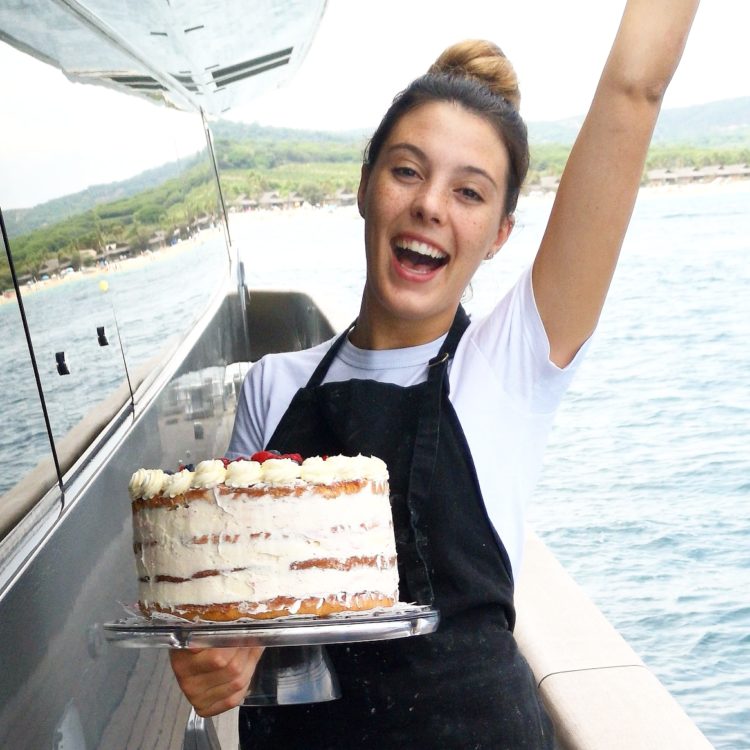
423	156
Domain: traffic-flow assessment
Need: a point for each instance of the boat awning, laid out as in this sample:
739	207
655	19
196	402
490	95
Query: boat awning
190	54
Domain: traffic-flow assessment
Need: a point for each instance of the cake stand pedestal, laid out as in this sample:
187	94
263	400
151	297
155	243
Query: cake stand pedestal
295	667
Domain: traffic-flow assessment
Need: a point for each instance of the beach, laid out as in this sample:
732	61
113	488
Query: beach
126	264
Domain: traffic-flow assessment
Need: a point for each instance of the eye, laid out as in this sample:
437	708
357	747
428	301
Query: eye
470	194
406	172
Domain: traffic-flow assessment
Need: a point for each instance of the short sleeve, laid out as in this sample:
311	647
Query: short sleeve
513	341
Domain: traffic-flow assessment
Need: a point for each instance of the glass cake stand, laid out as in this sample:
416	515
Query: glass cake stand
295	667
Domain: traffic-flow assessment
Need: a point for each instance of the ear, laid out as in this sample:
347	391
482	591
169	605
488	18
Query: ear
503	232
362	190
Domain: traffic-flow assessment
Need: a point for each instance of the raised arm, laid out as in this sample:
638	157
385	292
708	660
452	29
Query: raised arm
597	191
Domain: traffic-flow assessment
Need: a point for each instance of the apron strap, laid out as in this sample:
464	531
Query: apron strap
425	452
438	364
316	378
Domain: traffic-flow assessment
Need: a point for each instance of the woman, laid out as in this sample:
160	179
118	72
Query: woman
459	410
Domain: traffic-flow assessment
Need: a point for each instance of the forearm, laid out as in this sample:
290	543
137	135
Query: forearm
648	46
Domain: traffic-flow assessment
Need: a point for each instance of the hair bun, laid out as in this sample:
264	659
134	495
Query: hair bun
484	61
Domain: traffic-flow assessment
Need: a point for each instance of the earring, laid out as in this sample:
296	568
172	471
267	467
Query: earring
490	255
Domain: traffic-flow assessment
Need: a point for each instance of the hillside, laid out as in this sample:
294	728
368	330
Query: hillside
23	220
241	131
254	157
723	124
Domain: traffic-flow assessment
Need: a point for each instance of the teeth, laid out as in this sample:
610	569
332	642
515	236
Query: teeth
422	248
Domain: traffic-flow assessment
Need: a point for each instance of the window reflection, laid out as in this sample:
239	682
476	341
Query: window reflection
114	265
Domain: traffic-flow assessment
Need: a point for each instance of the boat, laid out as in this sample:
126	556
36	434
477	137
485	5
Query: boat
65	535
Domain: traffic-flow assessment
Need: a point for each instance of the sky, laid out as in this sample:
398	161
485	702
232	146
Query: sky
363	53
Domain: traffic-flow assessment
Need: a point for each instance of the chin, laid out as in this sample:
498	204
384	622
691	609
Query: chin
411	308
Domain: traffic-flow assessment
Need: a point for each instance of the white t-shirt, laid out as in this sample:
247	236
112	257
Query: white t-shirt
503	387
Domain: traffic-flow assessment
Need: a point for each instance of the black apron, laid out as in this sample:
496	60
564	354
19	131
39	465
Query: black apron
465	686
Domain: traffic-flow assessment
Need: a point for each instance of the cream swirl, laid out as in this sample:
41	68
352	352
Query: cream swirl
316	470
338	466
280	471
243	474
372	468
208	474
136	484
343	468
177	484
146	483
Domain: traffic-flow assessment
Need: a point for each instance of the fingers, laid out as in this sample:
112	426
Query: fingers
215	679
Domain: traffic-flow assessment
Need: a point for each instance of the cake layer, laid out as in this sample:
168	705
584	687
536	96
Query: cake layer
271	553
281	606
218	511
248	585
296	489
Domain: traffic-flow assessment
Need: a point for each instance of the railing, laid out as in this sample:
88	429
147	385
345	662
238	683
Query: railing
598	692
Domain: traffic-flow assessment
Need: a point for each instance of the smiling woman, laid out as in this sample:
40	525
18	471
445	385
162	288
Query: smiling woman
459	409
432	214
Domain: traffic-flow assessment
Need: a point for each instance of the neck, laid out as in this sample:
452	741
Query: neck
377	329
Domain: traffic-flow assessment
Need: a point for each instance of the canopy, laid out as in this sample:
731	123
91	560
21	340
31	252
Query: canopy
190	54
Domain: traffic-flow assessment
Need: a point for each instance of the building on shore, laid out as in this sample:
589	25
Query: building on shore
684	175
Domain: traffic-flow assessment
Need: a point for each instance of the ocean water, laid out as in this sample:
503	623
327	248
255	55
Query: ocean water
645	496
646	493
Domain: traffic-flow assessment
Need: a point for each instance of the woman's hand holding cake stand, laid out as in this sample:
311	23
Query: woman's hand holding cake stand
214	680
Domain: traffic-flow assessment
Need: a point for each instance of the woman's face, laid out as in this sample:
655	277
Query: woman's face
432	204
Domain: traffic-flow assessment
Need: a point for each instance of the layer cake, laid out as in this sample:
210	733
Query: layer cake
264	538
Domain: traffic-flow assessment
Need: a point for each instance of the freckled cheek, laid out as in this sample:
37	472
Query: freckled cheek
377	248
380	225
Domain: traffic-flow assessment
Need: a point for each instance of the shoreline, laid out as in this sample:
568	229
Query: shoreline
715	187
534	195
102	273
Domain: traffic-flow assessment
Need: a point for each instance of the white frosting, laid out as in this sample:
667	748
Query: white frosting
372	468
316	470
243	473
208	474
295	528
177	484
136	483
280	471
239	586
146	483
336	468
342	467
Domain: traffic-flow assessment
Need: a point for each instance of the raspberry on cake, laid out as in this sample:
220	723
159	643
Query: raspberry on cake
264	538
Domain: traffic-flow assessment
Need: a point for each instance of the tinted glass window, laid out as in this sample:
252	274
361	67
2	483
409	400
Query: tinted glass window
114	225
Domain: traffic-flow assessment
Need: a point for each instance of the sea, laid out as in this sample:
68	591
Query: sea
645	494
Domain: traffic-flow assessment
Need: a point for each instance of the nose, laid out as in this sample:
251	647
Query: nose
429	203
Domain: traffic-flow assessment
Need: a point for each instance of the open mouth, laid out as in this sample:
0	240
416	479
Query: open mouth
419	256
